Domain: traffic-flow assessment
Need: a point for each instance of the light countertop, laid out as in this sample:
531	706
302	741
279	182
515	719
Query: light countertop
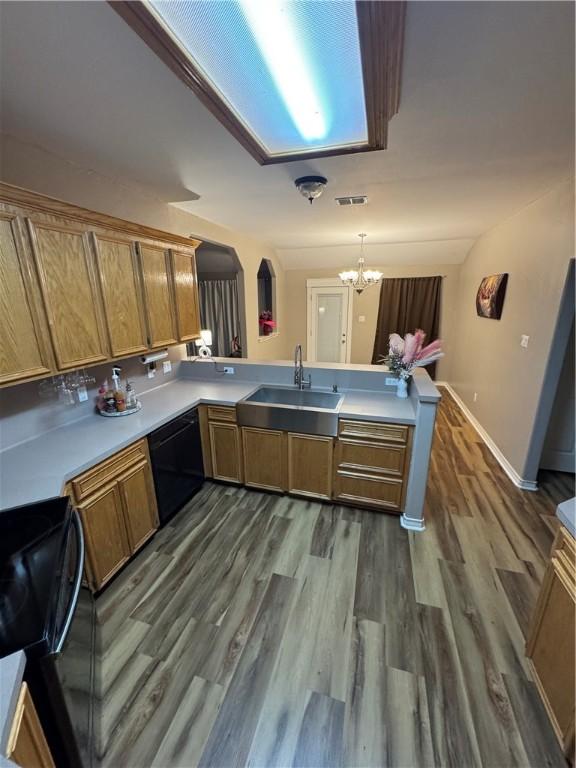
566	513
11	674
37	469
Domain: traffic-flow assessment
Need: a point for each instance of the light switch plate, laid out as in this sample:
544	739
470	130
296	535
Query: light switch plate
524	341
166	366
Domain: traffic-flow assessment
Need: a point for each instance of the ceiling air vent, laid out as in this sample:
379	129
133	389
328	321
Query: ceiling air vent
355	200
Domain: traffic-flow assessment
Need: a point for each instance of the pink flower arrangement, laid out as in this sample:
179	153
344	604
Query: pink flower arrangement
405	354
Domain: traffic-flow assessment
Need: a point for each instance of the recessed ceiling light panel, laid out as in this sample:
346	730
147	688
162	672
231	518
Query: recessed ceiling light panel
290	71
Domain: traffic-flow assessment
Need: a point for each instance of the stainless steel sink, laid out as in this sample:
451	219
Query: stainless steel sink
294	410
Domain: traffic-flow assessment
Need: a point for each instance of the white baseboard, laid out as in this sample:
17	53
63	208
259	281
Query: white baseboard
411	524
525	485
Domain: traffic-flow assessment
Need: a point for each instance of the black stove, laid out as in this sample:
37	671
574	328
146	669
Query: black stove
32	555
45	613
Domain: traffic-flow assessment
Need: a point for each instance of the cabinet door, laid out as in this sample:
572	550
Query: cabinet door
551	644
264	458
25	347
159	305
310	465
226	452
139	500
107	544
66	269
123	309
27	745
186	295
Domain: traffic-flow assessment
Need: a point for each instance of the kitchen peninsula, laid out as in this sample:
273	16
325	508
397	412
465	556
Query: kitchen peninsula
61	454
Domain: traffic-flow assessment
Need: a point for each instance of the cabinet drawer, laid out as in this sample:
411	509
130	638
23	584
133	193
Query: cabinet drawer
95	478
371	430
370	458
364	490
221	413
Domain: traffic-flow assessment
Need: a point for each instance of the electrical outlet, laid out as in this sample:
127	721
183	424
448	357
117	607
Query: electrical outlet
475	396
524	341
166	366
361	318
391	382
228	369
82	394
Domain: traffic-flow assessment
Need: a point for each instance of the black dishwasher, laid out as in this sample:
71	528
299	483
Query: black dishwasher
177	466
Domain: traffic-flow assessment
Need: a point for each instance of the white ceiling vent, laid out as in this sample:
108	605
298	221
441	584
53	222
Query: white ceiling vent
355	200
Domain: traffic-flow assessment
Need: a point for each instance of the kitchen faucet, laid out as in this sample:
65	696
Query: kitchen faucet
299	379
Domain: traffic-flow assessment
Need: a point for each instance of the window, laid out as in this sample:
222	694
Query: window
266	299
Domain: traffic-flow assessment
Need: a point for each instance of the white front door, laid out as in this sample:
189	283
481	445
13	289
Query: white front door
329	317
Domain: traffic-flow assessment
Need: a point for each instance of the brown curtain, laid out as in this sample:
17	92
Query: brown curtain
407	303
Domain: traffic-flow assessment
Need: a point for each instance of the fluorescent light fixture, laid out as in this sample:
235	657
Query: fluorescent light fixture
290	71
273	27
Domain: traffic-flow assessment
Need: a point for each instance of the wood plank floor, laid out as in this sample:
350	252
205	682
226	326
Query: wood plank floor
261	630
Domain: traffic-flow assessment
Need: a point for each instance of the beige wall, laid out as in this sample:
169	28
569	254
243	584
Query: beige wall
534	246
367	304
34	168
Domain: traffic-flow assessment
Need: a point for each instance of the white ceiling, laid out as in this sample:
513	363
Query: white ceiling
485	126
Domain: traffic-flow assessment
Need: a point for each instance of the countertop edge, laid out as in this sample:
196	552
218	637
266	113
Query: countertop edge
11	675
179	396
566	513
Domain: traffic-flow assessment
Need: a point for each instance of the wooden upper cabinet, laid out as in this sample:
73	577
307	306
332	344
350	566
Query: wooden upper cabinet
24	342
66	269
159	304
186	294
121	291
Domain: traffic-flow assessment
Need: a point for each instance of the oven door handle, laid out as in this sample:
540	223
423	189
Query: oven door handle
77	581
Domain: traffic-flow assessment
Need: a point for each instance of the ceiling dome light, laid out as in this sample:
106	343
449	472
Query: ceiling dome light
311	187
360	278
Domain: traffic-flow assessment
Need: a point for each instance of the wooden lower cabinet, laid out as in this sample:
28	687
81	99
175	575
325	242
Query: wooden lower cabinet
225	452
107	547
139	502
366	466
264	452
371	465
117	503
368	490
310	465
552	639
27	745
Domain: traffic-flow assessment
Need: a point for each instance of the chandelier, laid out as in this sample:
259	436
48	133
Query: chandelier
360	278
